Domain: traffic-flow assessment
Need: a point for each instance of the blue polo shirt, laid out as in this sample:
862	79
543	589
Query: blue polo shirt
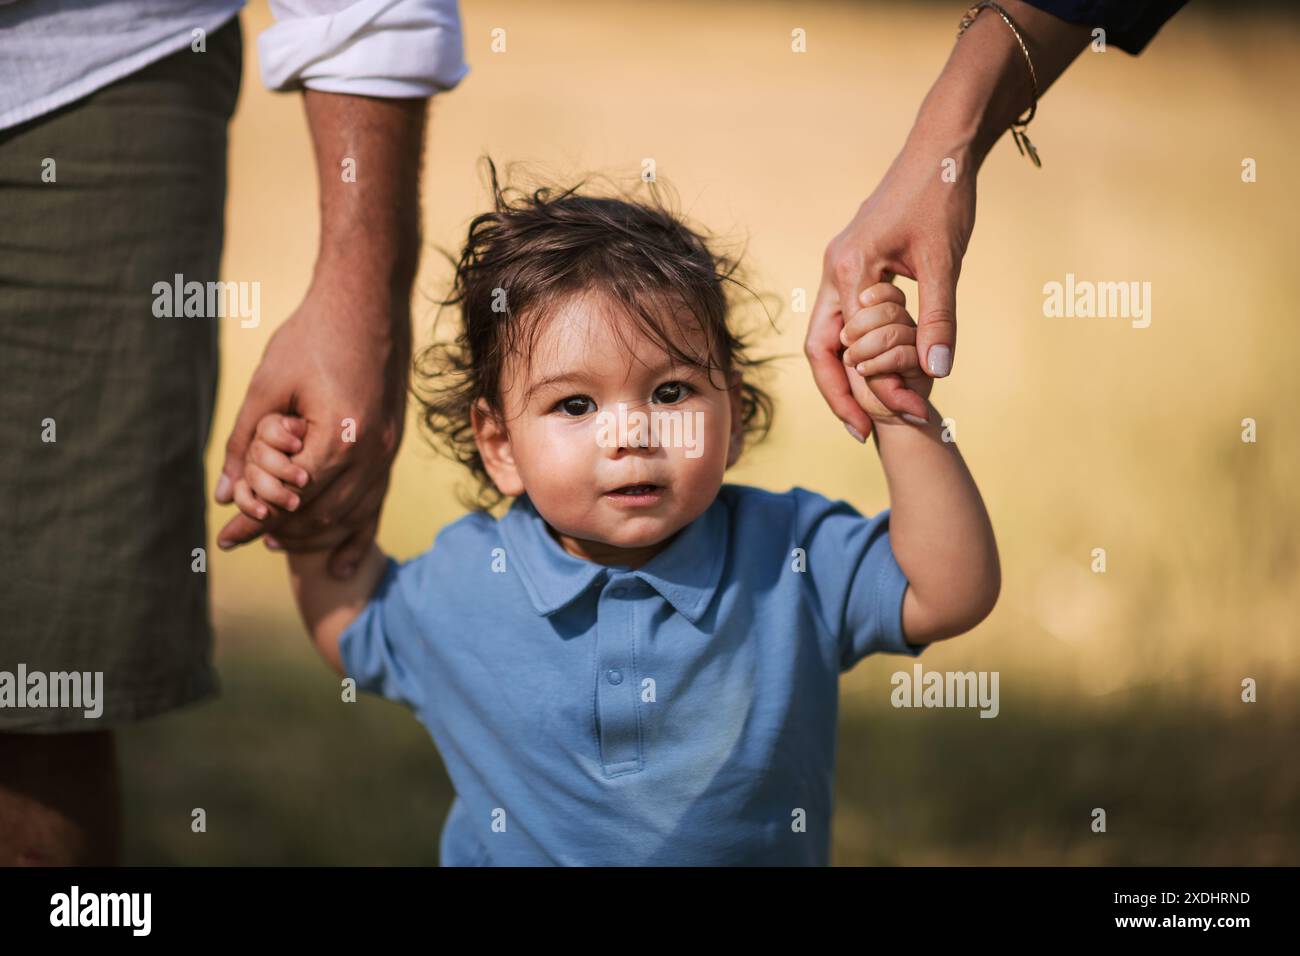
682	713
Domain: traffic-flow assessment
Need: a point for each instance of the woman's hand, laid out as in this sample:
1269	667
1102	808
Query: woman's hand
918	221
916	224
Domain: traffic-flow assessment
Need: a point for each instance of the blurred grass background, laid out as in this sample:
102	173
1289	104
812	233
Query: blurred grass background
1119	690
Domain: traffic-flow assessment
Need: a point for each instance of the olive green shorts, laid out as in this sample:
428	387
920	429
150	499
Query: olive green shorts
105	408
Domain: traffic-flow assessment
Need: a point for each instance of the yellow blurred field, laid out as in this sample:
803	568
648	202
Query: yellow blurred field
1082	433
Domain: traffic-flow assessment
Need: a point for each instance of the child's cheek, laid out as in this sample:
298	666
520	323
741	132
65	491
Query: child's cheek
566	441
701	443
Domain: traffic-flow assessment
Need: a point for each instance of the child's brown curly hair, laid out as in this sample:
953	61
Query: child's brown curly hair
535	250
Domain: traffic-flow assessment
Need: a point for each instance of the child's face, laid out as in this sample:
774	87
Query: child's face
577	454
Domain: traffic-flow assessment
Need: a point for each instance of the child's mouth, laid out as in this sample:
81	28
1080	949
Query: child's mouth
636	494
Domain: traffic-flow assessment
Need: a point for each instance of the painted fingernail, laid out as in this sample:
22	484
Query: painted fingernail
223	487
940	360
854	432
914	420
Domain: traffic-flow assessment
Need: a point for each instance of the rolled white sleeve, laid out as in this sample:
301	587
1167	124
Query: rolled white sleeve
390	48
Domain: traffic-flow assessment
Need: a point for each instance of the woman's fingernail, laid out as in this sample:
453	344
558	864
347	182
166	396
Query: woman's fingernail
914	420
844	337
294	501
867	296
940	360
261	511
223	487
855	433
861	368
271	543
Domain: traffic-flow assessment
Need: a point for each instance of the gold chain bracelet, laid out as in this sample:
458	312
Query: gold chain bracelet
1017	126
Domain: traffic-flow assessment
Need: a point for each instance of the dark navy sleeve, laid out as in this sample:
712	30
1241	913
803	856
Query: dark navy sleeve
1129	24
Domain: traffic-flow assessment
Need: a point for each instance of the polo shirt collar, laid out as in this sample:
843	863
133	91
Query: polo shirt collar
686	573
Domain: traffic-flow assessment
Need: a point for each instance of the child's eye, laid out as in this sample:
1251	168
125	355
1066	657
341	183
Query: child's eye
575	405
670	393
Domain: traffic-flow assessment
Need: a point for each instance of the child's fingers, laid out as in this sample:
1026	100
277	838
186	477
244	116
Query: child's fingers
882	292
873	317
248	503
268	488
282	432
296	425
879	341
276	463
899	360
878	294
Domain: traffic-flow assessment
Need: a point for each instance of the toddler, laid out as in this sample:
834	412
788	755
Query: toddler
638	663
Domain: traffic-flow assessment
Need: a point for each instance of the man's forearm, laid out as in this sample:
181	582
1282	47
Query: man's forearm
985	84
368	158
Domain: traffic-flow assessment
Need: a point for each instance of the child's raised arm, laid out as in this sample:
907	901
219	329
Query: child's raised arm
938	526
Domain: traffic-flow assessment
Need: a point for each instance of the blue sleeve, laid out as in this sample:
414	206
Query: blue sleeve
381	649
1129	24
855	581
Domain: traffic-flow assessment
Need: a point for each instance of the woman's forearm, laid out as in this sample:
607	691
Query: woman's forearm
985	84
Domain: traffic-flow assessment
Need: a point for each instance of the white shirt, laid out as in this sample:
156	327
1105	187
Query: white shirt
53	52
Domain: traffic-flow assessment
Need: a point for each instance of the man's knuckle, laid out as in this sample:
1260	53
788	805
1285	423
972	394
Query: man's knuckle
845	269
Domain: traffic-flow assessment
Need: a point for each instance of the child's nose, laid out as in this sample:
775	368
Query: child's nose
628	430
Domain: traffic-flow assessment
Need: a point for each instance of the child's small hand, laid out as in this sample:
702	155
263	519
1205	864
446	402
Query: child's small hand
880	341
270	478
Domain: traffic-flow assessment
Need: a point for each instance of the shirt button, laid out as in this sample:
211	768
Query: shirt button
614	675
619	592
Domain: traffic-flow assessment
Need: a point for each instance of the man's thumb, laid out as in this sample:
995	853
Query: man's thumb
236	445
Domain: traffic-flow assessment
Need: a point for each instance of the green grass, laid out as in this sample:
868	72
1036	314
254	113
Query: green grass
290	775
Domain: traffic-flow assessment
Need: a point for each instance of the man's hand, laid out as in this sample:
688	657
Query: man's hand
350	390
340	362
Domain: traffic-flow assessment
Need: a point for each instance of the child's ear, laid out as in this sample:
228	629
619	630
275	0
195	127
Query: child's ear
493	441
737	439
